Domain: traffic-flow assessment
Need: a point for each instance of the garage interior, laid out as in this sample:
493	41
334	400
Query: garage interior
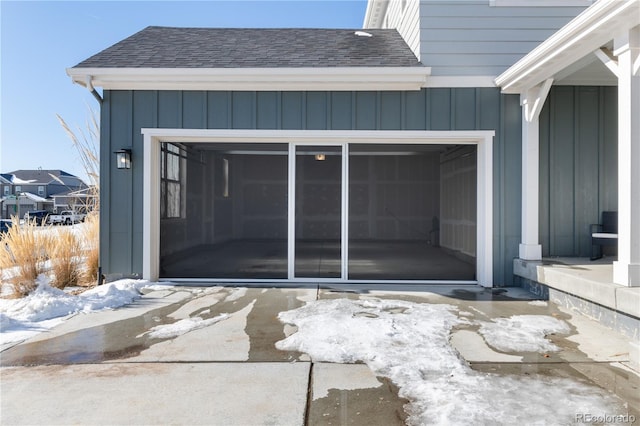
410	211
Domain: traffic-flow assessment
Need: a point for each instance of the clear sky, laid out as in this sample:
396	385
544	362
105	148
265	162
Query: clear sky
40	39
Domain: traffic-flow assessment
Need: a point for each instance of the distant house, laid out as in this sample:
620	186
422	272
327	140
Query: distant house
82	200
26	190
436	145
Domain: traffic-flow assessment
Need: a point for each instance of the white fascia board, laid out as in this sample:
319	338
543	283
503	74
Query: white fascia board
587	32
335	78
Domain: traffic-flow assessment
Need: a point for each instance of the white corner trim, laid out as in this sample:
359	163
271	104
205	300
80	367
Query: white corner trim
586	33
326	78
483	139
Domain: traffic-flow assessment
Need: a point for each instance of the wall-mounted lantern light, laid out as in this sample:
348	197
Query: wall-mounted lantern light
320	157
123	158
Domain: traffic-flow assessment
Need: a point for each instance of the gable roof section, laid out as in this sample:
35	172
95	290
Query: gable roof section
44	177
88	192
586	33
253	59
34	197
168	47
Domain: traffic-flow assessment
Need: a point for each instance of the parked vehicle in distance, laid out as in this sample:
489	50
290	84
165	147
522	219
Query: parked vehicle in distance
5	224
66	217
38	216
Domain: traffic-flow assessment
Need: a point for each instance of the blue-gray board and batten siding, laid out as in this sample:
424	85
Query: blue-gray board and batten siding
578	166
124	113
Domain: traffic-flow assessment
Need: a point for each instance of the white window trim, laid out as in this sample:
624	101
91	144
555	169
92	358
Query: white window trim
483	139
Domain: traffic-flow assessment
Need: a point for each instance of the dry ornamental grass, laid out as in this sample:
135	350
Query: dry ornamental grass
91	236
23	254
64	251
67	256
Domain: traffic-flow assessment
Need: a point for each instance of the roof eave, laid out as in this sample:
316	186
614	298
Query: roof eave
586	33
285	79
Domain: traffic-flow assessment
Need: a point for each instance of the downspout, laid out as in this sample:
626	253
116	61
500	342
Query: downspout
94	92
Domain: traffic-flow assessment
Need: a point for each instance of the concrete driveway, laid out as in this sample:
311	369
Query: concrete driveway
110	367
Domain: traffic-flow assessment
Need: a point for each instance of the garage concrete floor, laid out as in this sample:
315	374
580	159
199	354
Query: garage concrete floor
368	260
104	368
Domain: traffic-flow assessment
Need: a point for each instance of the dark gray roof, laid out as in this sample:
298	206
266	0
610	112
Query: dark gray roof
166	47
33	177
39	175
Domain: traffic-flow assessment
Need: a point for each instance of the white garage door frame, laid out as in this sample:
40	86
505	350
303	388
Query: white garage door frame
483	139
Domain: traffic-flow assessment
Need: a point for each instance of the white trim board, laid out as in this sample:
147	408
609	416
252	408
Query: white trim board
285	79
483	139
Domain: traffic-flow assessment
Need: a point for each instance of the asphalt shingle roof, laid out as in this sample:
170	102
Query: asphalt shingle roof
168	47
39	175
31	177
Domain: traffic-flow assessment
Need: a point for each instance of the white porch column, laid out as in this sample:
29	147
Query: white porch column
626	270
532	101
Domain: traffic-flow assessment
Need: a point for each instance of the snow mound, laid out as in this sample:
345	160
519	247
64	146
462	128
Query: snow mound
409	343
523	333
46	306
168	331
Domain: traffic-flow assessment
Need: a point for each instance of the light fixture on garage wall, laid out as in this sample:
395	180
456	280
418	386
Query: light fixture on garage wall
320	157
123	158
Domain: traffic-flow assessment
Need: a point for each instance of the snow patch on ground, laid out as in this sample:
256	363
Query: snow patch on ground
409	344
538	303
46	307
236	294
168	331
523	333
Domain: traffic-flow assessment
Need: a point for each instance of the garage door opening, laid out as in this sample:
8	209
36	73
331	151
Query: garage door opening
234	216
289	211
412	212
